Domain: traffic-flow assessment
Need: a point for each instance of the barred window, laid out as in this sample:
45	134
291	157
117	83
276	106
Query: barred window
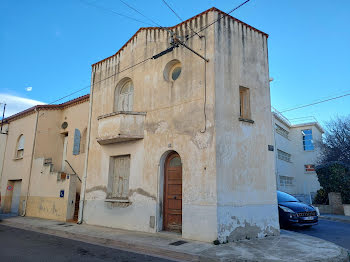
280	130
283	155
286	181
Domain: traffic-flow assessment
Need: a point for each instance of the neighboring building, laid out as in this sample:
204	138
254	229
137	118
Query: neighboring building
296	155
180	144
36	180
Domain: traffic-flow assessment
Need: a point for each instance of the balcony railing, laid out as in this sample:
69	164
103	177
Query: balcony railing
120	127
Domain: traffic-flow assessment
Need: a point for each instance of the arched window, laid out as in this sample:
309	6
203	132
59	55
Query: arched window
124	97
20	147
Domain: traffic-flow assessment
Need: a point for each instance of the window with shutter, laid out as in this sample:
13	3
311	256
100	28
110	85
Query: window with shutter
244	103
76	146
120	178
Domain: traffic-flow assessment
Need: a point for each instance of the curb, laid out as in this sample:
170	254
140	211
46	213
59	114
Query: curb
160	252
335	219
111	243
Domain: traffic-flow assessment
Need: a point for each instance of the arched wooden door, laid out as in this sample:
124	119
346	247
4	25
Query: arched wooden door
172	218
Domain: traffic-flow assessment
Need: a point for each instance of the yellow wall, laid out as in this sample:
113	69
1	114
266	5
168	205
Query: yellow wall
17	169
43	198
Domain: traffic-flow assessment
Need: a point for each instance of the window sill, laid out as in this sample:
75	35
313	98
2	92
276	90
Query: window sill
18	158
117	200
246	120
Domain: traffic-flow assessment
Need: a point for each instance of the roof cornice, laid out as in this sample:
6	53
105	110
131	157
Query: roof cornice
178	25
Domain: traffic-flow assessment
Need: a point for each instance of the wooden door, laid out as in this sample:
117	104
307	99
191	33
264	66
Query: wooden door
172	219
16	196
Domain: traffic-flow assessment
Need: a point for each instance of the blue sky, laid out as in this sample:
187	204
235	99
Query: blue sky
50	46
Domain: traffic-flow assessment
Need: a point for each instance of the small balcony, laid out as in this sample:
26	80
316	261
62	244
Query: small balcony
120	127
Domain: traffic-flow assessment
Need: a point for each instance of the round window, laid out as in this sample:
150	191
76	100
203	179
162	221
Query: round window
175	72
172	70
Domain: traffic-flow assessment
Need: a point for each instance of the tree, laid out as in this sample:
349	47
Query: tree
334	177
336	142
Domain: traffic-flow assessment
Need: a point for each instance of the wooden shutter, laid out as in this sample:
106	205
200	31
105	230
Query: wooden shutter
76	146
121	176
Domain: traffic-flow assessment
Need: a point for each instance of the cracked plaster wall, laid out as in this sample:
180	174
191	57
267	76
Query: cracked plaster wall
246	187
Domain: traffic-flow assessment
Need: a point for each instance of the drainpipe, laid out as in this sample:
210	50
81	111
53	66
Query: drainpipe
83	184
3	160
31	162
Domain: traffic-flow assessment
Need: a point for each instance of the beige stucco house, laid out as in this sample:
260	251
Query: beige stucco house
297	152
43	151
182	142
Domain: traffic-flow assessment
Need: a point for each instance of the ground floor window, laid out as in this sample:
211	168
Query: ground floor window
118	182
286	181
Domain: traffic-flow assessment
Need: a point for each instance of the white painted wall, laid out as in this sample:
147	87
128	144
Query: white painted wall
304	183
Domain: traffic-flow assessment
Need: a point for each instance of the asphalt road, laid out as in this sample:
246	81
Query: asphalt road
333	231
22	245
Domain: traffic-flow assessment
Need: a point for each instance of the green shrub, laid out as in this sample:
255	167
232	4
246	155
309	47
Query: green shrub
335	177
321	197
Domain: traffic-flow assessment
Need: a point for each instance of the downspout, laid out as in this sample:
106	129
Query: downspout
83	184
31	162
3	161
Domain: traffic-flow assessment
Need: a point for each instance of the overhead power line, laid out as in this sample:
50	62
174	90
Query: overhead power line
153	57
114	12
217	20
157	24
311	104
129	67
172	10
137	11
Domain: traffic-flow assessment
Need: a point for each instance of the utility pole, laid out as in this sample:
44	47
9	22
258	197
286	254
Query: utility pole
2	119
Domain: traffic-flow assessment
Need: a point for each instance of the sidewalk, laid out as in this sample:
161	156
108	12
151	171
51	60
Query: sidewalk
289	246
339	218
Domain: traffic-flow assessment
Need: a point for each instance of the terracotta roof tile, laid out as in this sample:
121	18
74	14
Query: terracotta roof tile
30	110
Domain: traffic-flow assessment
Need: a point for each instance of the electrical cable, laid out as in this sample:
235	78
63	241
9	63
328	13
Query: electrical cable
102	80
132	8
172	10
311	104
152	56
114	12
161	27
225	14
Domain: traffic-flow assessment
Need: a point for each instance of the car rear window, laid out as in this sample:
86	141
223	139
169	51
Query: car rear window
284	197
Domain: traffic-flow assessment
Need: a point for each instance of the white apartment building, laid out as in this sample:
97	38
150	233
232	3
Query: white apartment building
296	153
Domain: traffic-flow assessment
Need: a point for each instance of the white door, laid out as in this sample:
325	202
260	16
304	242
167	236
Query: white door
16	195
64	156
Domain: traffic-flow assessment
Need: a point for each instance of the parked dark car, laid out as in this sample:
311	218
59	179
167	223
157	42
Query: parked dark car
293	212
